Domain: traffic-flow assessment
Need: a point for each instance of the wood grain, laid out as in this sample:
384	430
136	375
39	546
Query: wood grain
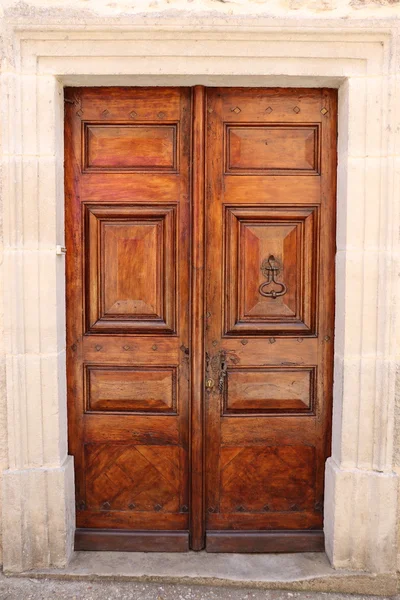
138	147
270	246
262	390
131	541
197	519
200	233
127	389
128	272
272	149
271	541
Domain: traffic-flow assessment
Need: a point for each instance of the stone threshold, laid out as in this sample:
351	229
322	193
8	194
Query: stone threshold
301	572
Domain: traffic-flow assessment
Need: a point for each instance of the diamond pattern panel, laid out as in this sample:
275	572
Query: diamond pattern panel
143	478
269	478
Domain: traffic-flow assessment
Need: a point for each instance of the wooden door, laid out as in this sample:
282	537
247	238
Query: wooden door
127	237
200	228
270	243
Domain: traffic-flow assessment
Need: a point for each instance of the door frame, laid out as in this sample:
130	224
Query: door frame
363	425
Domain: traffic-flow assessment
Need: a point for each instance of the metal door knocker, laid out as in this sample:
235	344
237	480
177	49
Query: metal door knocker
270	268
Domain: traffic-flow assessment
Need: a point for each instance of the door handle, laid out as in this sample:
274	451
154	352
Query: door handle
270	269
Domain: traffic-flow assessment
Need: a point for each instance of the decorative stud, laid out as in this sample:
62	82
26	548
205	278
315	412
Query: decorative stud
294	507
244	342
266	508
161	115
78	104
215	343
272	340
98	347
268	110
241	509
131	506
210	110
127	347
154	347
106	506
296	110
132	114
324	111
105	113
300	340
236	110
184	509
210	509
158	507
74	347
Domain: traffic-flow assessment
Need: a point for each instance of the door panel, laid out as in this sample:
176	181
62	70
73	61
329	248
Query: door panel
127	218
122	296
254	238
270	243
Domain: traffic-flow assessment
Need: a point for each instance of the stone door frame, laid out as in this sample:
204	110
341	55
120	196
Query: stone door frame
361	486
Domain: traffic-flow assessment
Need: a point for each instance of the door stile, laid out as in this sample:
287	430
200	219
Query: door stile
329	103
197	535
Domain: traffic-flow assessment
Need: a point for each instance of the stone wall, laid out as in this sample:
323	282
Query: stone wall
341	14
78	10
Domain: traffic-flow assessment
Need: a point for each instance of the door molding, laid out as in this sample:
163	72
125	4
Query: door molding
196	445
358	535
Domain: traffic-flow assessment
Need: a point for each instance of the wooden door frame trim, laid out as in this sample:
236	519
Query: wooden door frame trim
197	323
363	63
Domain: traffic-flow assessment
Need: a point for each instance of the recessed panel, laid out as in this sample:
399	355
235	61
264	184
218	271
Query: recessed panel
271	257
129	289
133	478
280	149
129	389
269	390
267	478
130	147
131	268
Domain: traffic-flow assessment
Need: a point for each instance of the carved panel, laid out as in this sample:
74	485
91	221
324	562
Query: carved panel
130	147
274	390
127	477
130	389
267	478
271	257
131	268
253	149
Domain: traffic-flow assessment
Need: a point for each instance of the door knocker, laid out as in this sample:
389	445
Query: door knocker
270	269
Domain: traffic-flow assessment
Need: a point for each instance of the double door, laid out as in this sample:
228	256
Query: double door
200	234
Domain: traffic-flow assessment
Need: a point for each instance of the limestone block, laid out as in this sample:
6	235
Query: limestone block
360	524
38	517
